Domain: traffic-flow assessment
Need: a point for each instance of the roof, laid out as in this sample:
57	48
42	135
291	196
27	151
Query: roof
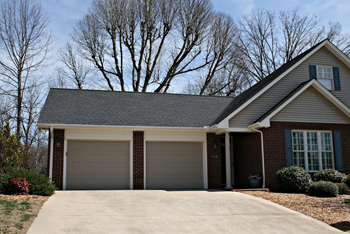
113	108
92	107
252	91
283	101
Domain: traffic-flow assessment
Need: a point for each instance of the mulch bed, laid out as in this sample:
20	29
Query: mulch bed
332	211
8	222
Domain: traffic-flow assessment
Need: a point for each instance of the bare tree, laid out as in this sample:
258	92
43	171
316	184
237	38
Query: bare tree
24	44
268	41
75	69
144	44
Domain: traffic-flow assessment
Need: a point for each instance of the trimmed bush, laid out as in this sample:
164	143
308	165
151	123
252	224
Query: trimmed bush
330	175
342	188
18	186
293	179
40	184
347	181
323	189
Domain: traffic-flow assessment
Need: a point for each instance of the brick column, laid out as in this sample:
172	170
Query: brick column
214	160
58	151
138	161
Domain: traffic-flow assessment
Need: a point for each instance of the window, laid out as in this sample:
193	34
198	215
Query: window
325	76
313	150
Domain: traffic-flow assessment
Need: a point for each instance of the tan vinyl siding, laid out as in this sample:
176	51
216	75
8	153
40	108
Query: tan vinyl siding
311	107
288	83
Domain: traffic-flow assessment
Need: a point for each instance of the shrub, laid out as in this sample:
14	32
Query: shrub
293	179
347	181
330	175
323	189
18	186
40	184
343	188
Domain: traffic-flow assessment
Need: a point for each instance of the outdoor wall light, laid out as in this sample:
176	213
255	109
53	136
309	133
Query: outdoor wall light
215	146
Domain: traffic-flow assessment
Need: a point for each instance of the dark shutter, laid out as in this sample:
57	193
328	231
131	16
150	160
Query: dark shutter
289	147
313	72
336	78
338	151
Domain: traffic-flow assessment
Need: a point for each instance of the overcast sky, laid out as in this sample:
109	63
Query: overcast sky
64	14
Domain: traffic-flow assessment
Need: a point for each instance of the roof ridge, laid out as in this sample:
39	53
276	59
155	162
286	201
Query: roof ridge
141	93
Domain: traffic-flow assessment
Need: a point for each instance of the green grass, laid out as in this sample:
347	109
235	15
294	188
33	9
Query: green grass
26	217
17	212
347	200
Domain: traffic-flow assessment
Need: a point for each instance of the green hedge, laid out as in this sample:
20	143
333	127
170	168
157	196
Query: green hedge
40	184
330	175
342	188
293	179
323	189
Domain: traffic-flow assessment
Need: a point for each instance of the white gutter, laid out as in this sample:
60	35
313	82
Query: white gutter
262	152
138	128
51	152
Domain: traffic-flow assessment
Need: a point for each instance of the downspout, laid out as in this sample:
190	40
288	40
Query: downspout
262	153
51	153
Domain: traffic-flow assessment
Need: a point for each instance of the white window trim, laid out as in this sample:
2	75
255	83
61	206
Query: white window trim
319	142
332	76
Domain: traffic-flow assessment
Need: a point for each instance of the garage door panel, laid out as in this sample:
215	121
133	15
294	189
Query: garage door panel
174	165
98	165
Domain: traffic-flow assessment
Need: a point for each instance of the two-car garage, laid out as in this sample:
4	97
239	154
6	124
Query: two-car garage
106	165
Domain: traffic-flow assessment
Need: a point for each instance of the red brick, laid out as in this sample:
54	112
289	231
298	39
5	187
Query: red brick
138	160
214	161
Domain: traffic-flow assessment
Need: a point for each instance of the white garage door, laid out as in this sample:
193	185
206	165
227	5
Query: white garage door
98	165
174	165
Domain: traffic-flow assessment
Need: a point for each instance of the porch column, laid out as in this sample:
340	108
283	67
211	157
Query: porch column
228	161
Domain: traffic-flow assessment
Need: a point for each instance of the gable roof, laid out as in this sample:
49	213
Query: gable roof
107	108
110	108
264	120
256	90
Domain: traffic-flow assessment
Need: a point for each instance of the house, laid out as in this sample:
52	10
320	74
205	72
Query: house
298	115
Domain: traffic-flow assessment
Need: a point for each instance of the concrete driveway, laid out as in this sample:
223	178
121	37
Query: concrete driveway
158	211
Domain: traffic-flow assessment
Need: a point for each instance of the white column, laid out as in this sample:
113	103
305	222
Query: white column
51	153
228	161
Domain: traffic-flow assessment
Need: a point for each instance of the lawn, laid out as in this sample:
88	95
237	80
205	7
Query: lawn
18	212
333	211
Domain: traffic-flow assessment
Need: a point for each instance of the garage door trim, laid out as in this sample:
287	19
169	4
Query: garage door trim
84	139
204	151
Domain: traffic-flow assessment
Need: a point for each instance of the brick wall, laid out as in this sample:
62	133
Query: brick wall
58	151
247	157
214	160
274	145
138	159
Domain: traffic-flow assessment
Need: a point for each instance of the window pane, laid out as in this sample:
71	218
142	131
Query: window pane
327	160
298	141
299	159
312	144
326	141
326	83
313	161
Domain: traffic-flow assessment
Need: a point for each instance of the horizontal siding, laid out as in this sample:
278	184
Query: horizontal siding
286	85
311	107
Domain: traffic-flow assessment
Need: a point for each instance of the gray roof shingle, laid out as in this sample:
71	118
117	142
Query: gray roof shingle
91	107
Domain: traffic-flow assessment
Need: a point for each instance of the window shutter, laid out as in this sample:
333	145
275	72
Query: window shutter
336	78
289	147
313	72
338	151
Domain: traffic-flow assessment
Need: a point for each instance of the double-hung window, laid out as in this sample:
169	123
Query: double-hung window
325	76
313	150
